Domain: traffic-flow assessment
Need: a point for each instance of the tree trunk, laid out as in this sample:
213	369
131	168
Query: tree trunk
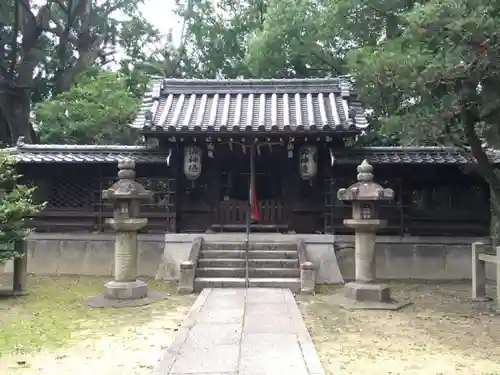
15	106
5	138
495	216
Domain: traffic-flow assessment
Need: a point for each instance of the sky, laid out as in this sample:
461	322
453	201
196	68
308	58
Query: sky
160	14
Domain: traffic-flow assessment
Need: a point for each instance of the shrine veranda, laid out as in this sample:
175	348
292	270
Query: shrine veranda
211	145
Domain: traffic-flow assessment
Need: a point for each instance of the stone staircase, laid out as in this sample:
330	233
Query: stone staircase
222	265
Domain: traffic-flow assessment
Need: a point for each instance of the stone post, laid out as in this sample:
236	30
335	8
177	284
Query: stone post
20	269
478	273
186	278
307	278
126	195
365	292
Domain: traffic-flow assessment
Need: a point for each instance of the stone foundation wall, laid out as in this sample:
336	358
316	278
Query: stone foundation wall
419	258
86	254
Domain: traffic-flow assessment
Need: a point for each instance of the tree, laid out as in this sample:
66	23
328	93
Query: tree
293	42
96	110
45	45
308	38
16	207
444	76
295	38
217	34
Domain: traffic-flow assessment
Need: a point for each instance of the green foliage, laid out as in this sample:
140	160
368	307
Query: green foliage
16	207
45	45
286	45
440	70
97	110
217	35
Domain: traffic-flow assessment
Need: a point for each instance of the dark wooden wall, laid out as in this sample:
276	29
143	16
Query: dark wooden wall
430	199
73	195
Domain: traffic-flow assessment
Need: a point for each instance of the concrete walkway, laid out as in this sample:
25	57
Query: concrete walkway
242	332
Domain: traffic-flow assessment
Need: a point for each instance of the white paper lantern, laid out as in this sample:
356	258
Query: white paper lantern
307	162
192	162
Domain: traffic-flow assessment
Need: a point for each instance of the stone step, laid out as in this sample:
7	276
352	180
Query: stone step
253	263
273	263
239	282
292	284
252	272
272	254
252	254
221	263
225	254
218	282
252	246
220	272
274	272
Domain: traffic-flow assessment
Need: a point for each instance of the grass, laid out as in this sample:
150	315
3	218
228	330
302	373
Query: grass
54	315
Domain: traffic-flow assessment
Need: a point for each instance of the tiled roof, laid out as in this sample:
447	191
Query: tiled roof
411	155
263	105
27	153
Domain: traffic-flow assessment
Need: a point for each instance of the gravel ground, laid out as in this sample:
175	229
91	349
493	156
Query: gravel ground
131	351
442	333
51	331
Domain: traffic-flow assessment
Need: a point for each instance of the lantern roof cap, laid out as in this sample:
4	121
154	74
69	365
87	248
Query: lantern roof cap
365	189
126	188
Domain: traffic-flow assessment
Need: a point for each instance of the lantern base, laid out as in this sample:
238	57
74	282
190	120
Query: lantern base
367	292
359	296
125	294
125	290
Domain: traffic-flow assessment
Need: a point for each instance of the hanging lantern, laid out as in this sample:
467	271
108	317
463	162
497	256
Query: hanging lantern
192	162
307	162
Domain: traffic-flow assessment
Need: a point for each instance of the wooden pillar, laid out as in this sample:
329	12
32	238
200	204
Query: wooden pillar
179	187
20	269
214	188
289	183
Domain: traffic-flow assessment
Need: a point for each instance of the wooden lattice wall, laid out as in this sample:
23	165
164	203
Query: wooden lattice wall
441	203
430	200
74	203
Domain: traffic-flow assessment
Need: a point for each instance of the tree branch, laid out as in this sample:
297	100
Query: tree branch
13	42
27	8
62	6
469	119
320	58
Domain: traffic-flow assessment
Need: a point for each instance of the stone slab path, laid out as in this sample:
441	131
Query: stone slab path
254	331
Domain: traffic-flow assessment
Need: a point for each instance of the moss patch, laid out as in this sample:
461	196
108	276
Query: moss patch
54	314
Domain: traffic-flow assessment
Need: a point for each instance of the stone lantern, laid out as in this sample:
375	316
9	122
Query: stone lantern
126	195
365	196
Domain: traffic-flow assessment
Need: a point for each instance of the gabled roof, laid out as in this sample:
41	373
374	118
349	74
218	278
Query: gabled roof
251	105
412	155
26	153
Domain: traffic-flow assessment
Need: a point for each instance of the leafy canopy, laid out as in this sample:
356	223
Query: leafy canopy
16	207
441	73
96	110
